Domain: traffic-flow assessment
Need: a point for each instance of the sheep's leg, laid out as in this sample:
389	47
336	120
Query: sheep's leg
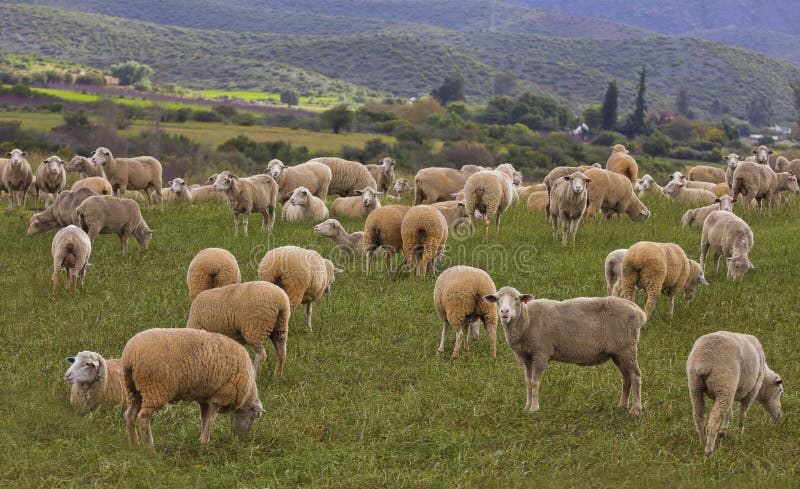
703	252
123	240
235	224
636	383
744	405
615	288
696	393
573	229
671	304
565	230
626	382
721	408
533	388
55	280
555	227
497	222
259	354
528	383
486	227
279	341
444	337
130	420
459	339
83	274
245	221
492	333
308	315
726	423
208	413
652	296
717	257
144	428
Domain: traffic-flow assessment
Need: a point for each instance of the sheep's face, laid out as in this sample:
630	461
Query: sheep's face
726	203
38	225
84	369
673	188
368	196
732	160
16	157
401	186
275	168
300	196
75	163
637	187
762	154
54	164
699	279
101	156
517	178
648	183
769	396
328	228
509	303
637	211
791	184
677	177
738	266
223	182
387	165
578	181
242	419
177	186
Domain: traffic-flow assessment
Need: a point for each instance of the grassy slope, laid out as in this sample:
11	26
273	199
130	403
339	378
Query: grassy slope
366	401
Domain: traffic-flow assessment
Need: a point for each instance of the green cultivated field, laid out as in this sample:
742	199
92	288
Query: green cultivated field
365	400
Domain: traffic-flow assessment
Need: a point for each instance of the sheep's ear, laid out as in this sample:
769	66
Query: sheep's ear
778	381
70	360
769	151
337	270
703	280
96	363
490	298
170	183
452	196
525	298
755	151
587	180
717	200
567	177
24	153
627	152
750	264
461	203
44	162
8	154
734	200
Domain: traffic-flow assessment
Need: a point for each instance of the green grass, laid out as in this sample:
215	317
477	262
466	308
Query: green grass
307	103
365	401
73	96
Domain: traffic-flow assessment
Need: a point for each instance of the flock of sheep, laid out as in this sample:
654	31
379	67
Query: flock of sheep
206	362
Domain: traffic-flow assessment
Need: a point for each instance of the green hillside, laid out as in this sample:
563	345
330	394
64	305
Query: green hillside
767	41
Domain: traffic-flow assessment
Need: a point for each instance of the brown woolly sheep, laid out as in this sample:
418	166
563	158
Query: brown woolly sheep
103	214
383	174
613	194
382	229
455	212
365	202
490	193
537	201
623	163
84	167
424	233
258	193
71	249
314	176
458	299
760	182
347	176
435	184
99	185
138	173
96	381
696	217
705	173
211	268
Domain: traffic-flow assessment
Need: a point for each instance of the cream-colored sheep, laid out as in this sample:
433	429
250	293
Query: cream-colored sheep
50	178
102	214
61	213
303	274
623	163
383	174
99	185
474	168
206	193
568	200
177	191
458	299
137	173
582	331
731	162
650	186
696	217
382	229
729	367
84	167
96	381
680	192
721	189
304	206
348	244
424	232
249	313
347	176
401	188
731	237
613	271
525	192
561	171
783	164
314	176
436	184
455	212
705	173
762	155
71	249
490	193
258	193
613	194
16	177
760	182
163	366
537	201
211	268
365	202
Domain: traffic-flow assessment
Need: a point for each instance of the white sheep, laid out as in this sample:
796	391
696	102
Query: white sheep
568	203
731	162
258	193
678	190
71	249
17	177
650	186
211	268
50	178
761	155
303	206
760	182
613	271
347	176
362	205
84	167
178	191
458	299
383	174
435	184
314	176
103	214
96	381
348	244
402	188
731	237
137	173
696	217
490	193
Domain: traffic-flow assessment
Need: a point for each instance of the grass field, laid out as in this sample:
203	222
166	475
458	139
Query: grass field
306	103
365	400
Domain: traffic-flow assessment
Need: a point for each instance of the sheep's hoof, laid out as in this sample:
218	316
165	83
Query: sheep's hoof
635	411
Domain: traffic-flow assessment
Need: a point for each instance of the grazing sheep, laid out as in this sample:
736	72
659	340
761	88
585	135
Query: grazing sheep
102	214
613	271
622	162
435	184
211	268
730	237
731	162
84	167
729	367
659	268
705	173
537	201
650	186
613	194
50	178
16	177
424	233
762	155
362	205
759	182
249	313
258	193
348	244
490	193
347	176
138	173
455	212
383	174
568	198
583	331
71	249
680	192
314	176
61	213
96	381
163	366
458	299
303	206
401	188
303	274
695	217
99	185
382	229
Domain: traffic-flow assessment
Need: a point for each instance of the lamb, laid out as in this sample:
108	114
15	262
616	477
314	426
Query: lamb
348	244
303	206
537	201
424	233
622	162
696	217
458	299
249	313
303	274
490	193
659	268
84	167
402	188
730	237
680	192
613	271
211	268
96	382
61	213
258	193
729	367
455	212
731	161
50	178
70	249
650	186
382	229
705	173
347	176
568	199
163	366
98	184
102	214
583	331
138	173
613	193
435	184
362	205
383	174
16	177
759	182
314	176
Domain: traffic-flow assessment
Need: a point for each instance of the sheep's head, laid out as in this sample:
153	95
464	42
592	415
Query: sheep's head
368	196
738	265
84	369
212	179
791	183
387	165
732	160
224	181
177	185
762	154
401	185
726	203
637	187
618	148
769	395
696	277
274	168
75	163
578	182
509	303
674	187
636	210
242	419
331	271
648	183
54	164
101	156
300	196
16	157
328	228
678	177
38	223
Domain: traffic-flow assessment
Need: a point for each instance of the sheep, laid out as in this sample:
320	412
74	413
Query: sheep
695	217
613	193
474	168
211	268
178	191
561	171
258	193
613	271
383	174
347	176
721	189
729	367
84	167
582	331
678	191
455	212
303	274
362	205
303	206
163	366
731	162
312	175
98	184
102	214
782	164
525	192
622	162
402	188
17	177
458	299
61	213
138	173
382	229
650	186
537	201
71	248
730	237
490	193
704	173
435	184
96	381
205	193
50	178
762	155
568	198
424	233
348	244
249	313
759	182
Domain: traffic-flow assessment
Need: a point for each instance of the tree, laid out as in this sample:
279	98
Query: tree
132	73
451	90
289	97
759	110
636	123
337	118
504	83
682	101
593	116
609	107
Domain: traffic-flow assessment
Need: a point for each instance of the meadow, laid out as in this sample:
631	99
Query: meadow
365	400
